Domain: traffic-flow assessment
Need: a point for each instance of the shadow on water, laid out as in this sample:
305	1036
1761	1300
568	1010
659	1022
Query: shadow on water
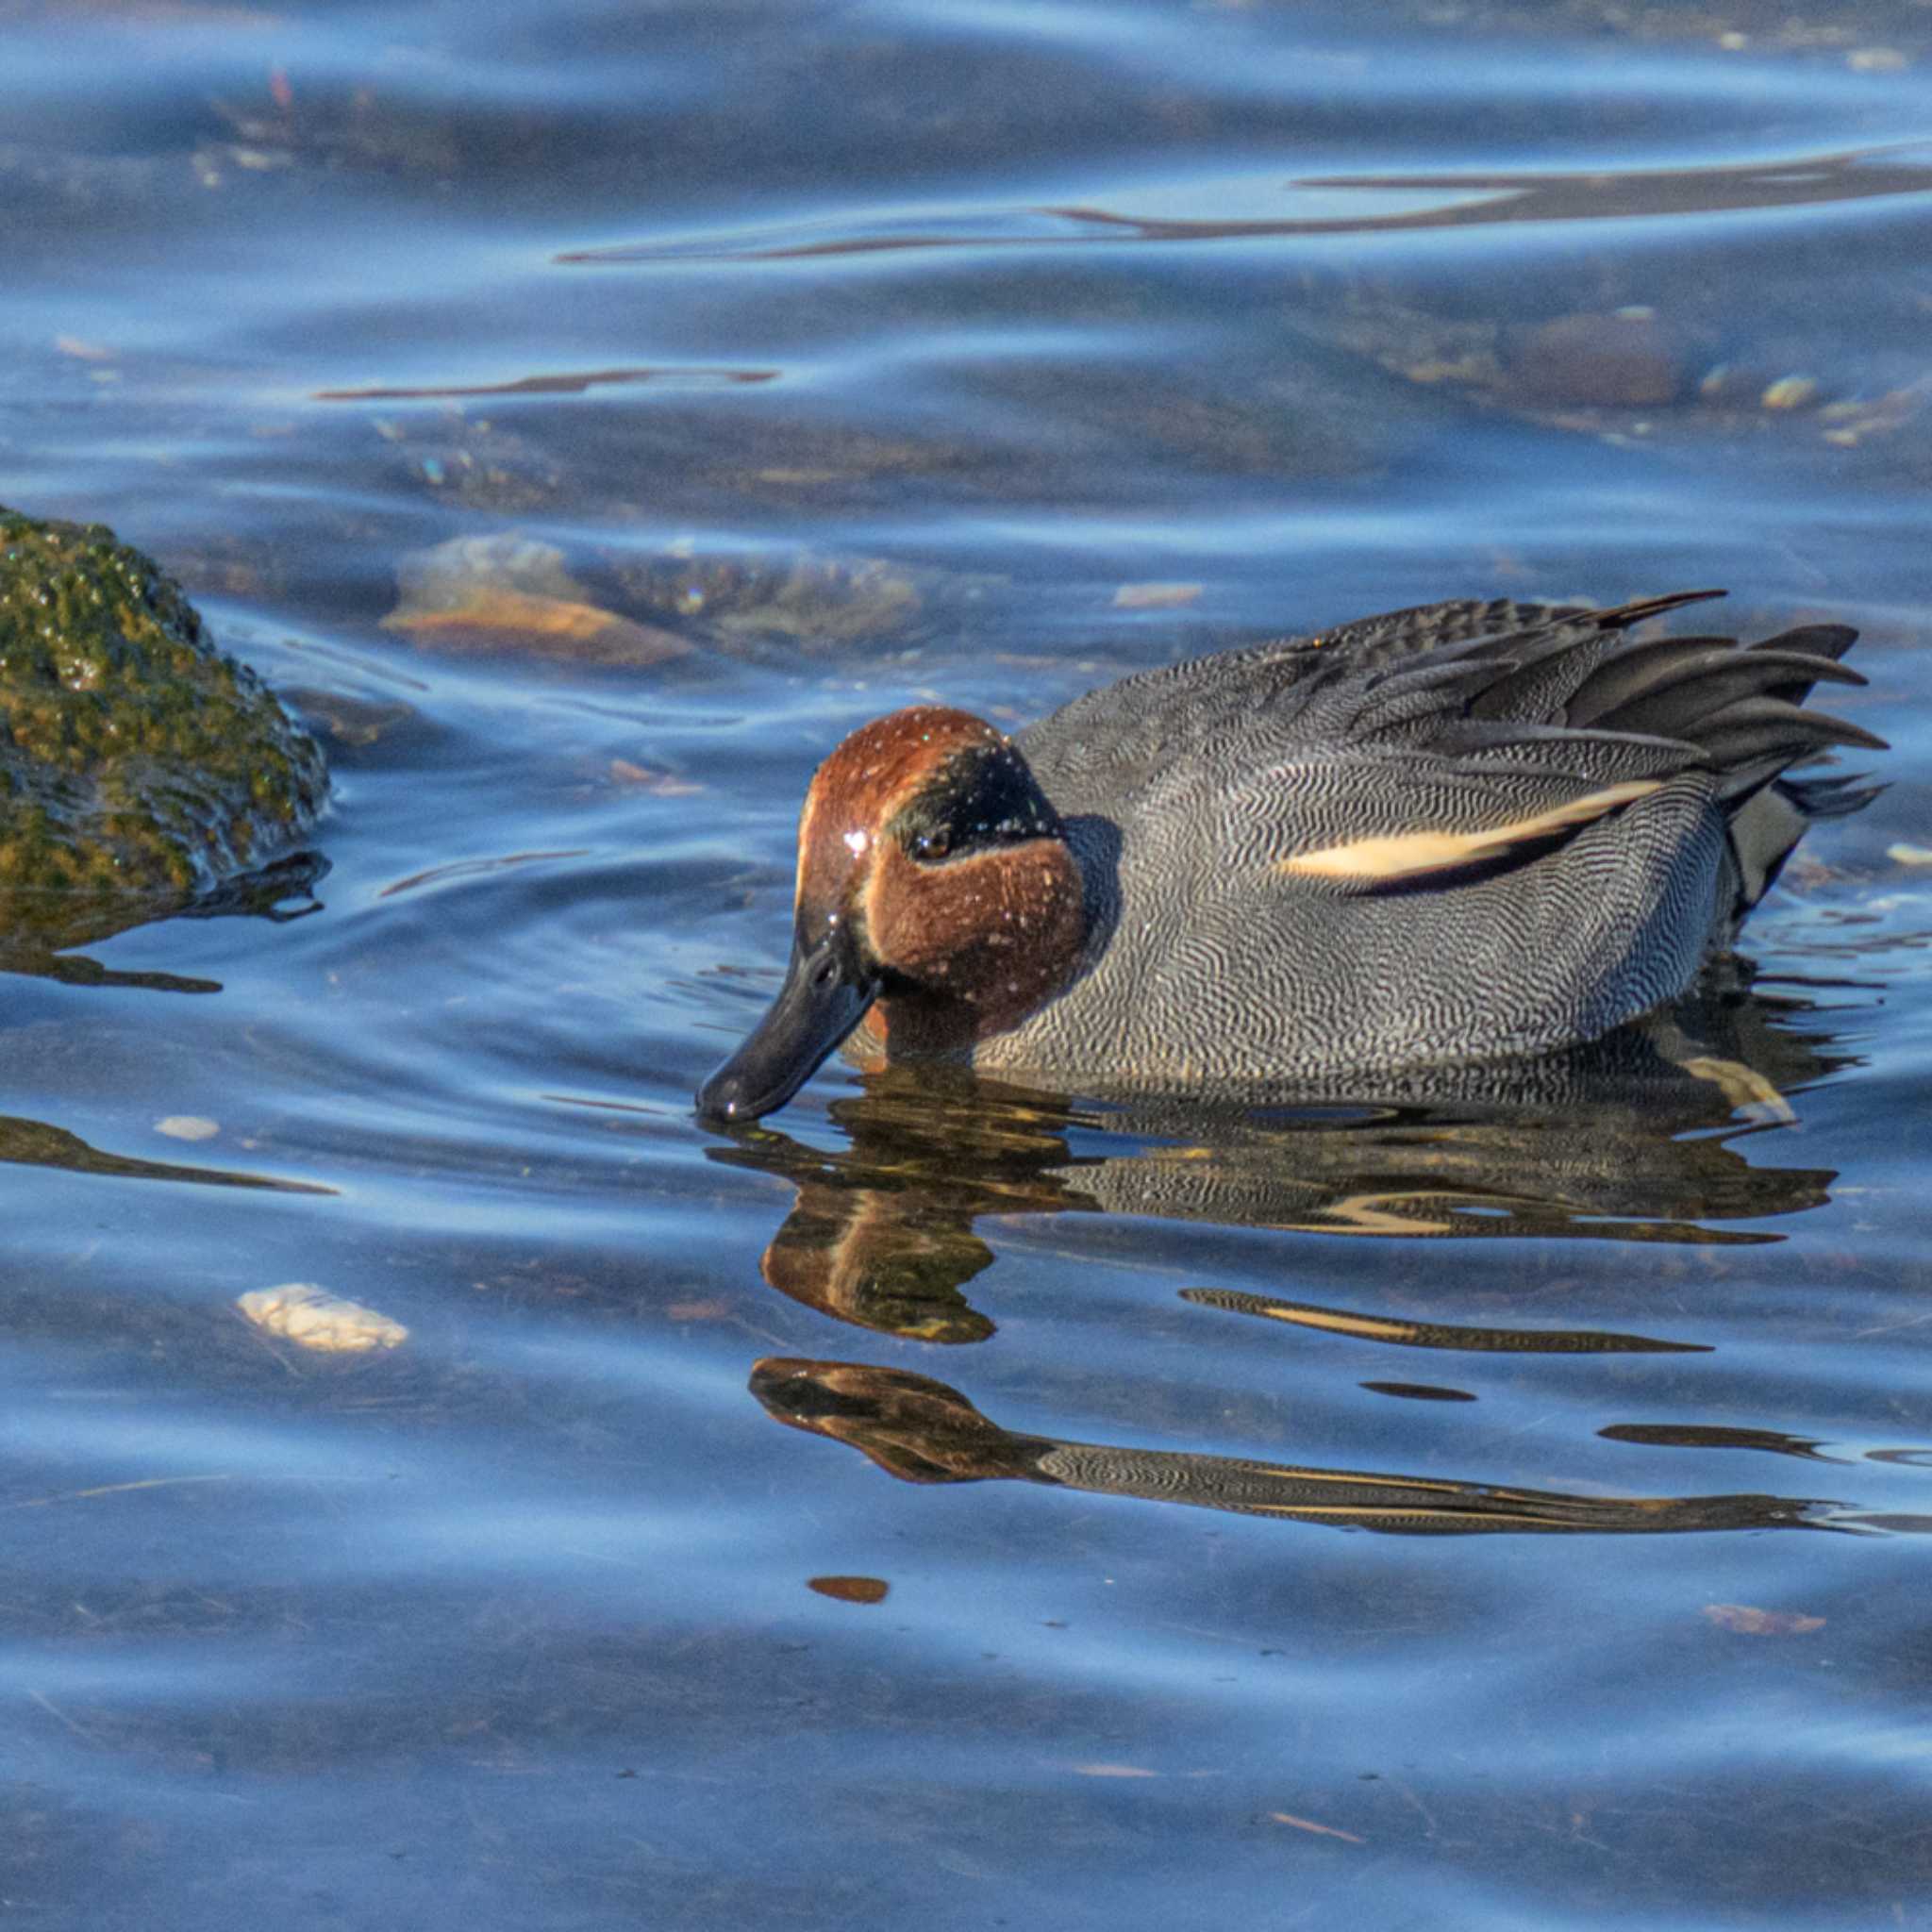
1639	1138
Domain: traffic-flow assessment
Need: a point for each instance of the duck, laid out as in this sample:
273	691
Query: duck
1467	831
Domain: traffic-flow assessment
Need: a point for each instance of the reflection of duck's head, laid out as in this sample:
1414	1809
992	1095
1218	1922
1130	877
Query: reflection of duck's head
936	892
1445	835
912	1427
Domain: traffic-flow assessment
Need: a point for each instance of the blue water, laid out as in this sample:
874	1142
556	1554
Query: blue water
711	1552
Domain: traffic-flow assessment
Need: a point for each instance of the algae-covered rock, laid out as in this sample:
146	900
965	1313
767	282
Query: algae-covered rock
135	758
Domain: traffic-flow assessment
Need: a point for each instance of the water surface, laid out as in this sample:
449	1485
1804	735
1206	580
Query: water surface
948	1504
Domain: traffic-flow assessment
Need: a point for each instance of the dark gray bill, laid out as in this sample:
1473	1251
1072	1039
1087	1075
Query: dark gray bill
823	999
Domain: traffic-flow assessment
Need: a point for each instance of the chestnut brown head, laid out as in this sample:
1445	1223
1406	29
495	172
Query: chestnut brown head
936	892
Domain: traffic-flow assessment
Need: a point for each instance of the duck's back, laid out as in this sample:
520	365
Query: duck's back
1094	751
1449	833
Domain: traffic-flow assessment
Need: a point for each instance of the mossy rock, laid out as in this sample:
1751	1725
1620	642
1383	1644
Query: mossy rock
136	759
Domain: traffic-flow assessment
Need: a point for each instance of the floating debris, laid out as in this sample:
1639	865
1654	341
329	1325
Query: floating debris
306	1313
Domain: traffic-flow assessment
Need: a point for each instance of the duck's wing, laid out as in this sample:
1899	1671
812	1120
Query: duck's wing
1372	816
1485	753
1534	706
1482	625
1477	627
1110	741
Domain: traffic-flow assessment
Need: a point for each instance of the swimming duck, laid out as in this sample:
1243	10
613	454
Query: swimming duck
1454	833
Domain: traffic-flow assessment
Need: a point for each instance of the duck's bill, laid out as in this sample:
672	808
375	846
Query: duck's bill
823	999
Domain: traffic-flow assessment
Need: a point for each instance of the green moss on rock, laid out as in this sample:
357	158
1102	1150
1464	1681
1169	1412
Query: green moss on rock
133	757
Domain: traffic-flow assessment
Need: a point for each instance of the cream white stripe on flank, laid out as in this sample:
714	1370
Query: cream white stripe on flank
1404	855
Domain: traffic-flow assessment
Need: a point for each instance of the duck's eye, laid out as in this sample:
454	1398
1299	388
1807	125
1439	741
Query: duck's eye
933	844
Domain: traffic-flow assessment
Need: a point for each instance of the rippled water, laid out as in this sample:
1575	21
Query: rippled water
949	1506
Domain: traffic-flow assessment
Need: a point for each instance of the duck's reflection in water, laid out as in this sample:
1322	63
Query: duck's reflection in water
1637	1139
922	1431
1402	1334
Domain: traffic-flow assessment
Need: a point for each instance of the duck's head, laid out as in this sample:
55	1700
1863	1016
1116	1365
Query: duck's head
936	892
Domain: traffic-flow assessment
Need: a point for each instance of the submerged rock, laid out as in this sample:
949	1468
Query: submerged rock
511	593
798	599
136	759
1625	360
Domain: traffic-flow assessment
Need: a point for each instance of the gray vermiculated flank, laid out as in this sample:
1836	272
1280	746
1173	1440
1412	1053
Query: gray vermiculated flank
1185	788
